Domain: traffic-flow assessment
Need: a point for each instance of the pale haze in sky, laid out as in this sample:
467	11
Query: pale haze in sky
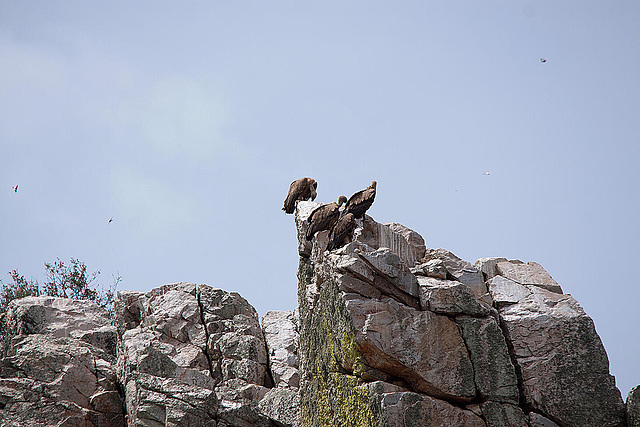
186	122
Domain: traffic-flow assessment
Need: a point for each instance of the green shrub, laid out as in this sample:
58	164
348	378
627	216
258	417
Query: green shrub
68	281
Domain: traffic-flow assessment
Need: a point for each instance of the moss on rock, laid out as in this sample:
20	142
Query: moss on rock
331	359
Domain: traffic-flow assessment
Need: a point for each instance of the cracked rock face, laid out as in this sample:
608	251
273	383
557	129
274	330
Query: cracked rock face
191	355
282	403
408	245
235	341
458	269
187	355
495	376
563	366
58	368
398	407
281	335
396	334
424	349
162	359
387	333
384	342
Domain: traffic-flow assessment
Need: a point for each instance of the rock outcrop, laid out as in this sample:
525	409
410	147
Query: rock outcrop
59	365
388	332
633	407
195	355
179	355
411	335
563	366
281	335
163	361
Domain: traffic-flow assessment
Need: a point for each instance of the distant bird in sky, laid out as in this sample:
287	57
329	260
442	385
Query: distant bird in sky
487	173
110	220
15	189
543	60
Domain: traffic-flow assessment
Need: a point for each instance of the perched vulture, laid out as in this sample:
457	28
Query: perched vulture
323	217
361	201
300	189
342	232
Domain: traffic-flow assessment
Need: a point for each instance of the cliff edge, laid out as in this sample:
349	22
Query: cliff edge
388	332
394	333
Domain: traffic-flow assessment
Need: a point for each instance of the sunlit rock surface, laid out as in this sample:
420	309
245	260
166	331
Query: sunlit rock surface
563	366
59	365
388	332
496	343
162	359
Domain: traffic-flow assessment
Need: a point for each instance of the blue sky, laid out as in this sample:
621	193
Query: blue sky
187	122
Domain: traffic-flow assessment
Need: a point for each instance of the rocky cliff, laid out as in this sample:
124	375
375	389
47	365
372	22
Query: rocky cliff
388	332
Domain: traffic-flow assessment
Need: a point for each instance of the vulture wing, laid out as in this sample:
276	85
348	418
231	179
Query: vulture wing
322	218
300	189
342	231
360	202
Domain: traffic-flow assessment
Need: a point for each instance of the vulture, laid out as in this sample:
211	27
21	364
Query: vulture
300	189
323	217
361	201
342	232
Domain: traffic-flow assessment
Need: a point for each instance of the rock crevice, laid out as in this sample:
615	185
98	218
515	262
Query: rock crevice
210	361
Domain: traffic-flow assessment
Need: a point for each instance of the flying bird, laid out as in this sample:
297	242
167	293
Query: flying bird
543	60
360	201
300	189
487	173
342	232
15	189
324	217
110	220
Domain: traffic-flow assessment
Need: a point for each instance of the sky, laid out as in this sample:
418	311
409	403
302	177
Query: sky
186	122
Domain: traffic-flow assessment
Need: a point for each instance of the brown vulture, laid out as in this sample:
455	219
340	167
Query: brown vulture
323	217
342	232
300	189
361	201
